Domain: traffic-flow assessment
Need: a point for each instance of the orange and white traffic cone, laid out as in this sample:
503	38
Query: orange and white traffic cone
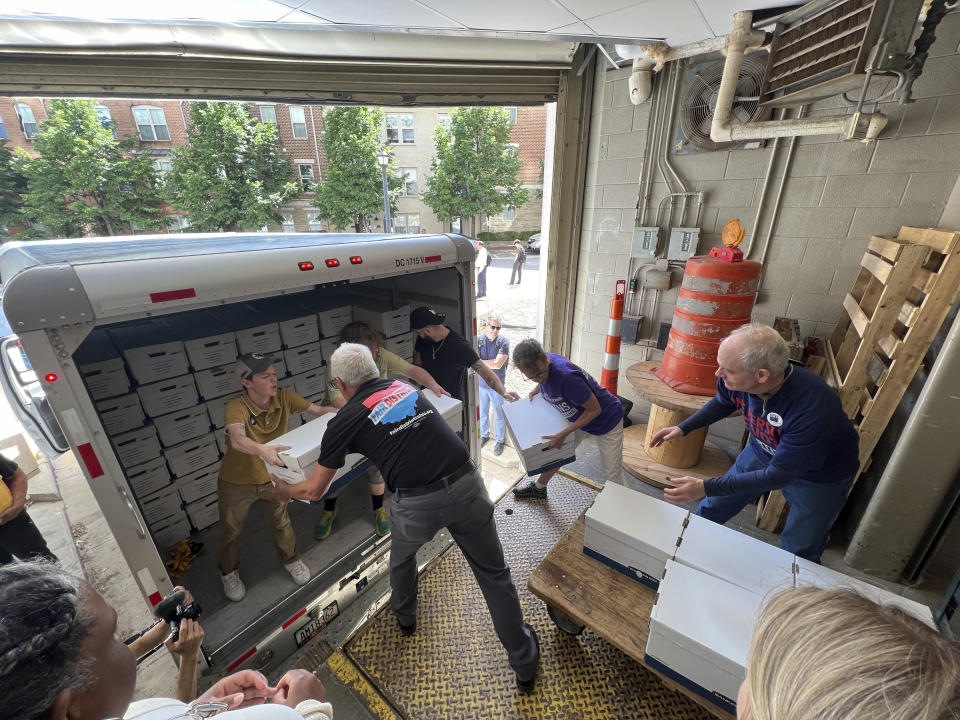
611	351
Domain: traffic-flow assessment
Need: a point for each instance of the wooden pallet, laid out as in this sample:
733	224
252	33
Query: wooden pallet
901	297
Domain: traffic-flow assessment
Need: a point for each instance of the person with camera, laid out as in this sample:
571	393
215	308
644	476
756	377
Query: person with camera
61	659
19	537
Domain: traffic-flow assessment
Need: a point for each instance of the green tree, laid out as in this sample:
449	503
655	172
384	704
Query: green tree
351	192
86	182
474	169
13	185
231	174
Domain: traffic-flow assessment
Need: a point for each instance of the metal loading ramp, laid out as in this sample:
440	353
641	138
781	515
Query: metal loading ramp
454	667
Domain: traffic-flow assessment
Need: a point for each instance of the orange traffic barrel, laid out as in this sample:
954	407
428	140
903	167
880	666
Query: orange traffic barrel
715	298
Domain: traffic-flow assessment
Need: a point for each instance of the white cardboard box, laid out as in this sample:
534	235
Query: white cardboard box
332	319
401	345
700	631
101	366
301	458
204	512
192	455
183	425
295	420
136	446
301	359
148	477
389	322
208	342
215	409
310	383
450	408
199	484
527	422
300	330
732	556
327	346
120	414
808	573
151	351
160	505
217	382
172	530
633	533
168	396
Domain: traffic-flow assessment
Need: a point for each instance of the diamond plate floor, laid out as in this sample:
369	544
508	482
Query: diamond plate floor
455	668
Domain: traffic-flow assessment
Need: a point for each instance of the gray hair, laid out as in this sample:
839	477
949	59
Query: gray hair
493	316
353	364
527	354
762	348
42	629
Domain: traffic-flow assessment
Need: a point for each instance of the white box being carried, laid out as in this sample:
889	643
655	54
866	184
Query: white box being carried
732	556
450	408
700	631
633	533
301	458
527	422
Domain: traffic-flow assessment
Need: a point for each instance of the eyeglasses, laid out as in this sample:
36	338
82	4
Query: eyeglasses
333	384
493	327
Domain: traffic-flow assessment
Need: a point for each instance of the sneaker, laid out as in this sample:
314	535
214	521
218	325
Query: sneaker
531	490
407	630
381	521
498	449
298	571
325	524
526	686
484	440
233	586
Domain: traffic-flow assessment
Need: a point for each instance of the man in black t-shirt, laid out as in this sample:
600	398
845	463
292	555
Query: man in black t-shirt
444	354
435	485
19	537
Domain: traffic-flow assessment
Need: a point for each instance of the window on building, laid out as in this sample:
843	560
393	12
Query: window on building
288	225
177	223
27	121
3	130
512	113
513	149
151	123
306	176
103	115
509	215
444	120
409	181
399	128
406	223
314	223
455	225
268	113
163	166
298	121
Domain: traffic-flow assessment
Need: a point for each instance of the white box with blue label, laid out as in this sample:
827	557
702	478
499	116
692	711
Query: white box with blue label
527	422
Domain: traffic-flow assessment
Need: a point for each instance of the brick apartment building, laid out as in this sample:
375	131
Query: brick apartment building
161	126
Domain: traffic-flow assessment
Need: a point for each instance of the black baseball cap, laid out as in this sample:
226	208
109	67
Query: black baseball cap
252	363
423	316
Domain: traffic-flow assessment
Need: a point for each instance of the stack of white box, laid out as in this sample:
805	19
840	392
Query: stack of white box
395	326
703	643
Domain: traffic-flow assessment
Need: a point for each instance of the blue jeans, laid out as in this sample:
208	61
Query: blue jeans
813	507
489	397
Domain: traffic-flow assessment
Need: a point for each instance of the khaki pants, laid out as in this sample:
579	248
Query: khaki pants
235	502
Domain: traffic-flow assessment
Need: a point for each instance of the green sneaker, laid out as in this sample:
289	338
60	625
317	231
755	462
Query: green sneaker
381	521
323	527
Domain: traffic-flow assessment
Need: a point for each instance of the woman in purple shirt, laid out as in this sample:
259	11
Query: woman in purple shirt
591	411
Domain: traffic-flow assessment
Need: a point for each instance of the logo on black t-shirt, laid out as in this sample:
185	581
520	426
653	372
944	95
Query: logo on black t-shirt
392	404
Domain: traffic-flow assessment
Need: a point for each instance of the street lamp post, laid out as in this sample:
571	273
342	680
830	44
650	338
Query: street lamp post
383	157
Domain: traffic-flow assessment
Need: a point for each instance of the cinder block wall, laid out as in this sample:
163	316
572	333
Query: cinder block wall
837	194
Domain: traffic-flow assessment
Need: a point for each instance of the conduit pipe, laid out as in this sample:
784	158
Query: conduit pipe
918	476
721	130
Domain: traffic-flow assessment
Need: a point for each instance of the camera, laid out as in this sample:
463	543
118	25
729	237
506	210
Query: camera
172	610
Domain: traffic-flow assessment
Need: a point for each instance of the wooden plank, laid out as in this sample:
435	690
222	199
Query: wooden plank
890	345
885	246
650	387
908	314
878	267
847	349
772	512
860	285
857	316
925	280
816	364
943	241
832	375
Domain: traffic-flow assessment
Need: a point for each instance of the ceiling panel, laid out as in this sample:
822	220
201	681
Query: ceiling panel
378	13
676	21
525	16
719	13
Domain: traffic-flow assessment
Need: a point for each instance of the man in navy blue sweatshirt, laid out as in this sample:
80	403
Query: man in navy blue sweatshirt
801	442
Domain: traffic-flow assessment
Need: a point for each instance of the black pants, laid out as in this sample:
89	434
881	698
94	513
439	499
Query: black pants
517	270
20	538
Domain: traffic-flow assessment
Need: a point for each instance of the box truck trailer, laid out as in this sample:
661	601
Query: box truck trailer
133	341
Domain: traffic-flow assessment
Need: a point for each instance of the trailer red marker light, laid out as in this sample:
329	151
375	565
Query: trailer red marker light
305	265
50	378
432	258
356	260
333	262
168	295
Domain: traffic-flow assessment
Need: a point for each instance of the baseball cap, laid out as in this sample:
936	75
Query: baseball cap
423	316
252	363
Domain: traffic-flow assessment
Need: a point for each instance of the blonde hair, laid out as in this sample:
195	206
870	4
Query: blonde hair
834	655
763	348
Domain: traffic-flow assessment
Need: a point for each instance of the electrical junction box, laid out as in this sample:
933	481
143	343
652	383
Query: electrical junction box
645	240
683	243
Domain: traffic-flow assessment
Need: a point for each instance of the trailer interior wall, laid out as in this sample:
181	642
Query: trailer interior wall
837	194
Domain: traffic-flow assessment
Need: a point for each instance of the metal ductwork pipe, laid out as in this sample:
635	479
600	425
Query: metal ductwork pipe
918	476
